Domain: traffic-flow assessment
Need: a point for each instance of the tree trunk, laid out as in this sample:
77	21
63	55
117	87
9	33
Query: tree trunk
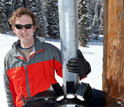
113	60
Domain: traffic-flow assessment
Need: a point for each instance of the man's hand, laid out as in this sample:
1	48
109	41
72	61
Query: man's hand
79	65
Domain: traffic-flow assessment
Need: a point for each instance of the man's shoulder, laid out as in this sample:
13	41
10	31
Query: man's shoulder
46	44
10	51
50	46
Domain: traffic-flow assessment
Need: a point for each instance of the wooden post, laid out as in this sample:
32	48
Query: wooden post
113	58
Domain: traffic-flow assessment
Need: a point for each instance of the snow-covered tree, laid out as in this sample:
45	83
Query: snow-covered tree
83	23
52	18
5	12
96	10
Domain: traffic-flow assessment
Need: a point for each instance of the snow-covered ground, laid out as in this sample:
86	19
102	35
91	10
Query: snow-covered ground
93	53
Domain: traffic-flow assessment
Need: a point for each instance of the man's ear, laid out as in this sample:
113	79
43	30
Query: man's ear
34	28
13	28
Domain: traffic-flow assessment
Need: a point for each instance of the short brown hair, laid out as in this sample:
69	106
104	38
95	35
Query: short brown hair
22	11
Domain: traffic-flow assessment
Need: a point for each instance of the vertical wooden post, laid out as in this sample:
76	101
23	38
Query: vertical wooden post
113	58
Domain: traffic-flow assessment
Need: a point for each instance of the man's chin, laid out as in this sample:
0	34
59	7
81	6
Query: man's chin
24	36
24	39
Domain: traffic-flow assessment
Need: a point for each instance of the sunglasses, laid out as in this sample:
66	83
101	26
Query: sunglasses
27	26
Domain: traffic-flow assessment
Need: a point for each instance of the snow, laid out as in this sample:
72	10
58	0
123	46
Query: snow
93	53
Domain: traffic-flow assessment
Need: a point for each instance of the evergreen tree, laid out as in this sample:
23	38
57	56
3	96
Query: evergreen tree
91	7
2	15
5	12
83	23
52	18
37	7
97	23
17	4
8	12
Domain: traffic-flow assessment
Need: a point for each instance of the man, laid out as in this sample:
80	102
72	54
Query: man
31	63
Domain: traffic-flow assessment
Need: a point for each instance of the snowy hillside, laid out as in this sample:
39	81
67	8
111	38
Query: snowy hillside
93	53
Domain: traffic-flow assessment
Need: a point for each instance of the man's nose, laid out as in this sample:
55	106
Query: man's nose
23	29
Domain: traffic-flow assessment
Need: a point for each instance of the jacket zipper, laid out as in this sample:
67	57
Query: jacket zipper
27	81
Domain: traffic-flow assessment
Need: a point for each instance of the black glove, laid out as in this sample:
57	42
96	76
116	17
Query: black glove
79	65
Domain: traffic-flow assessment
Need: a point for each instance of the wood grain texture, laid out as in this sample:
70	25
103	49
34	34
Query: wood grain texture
113	58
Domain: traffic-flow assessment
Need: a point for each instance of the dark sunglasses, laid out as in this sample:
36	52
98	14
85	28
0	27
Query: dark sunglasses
27	26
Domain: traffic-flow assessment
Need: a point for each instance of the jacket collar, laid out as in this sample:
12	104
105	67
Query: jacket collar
38	45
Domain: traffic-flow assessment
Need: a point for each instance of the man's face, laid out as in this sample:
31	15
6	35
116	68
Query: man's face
24	33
